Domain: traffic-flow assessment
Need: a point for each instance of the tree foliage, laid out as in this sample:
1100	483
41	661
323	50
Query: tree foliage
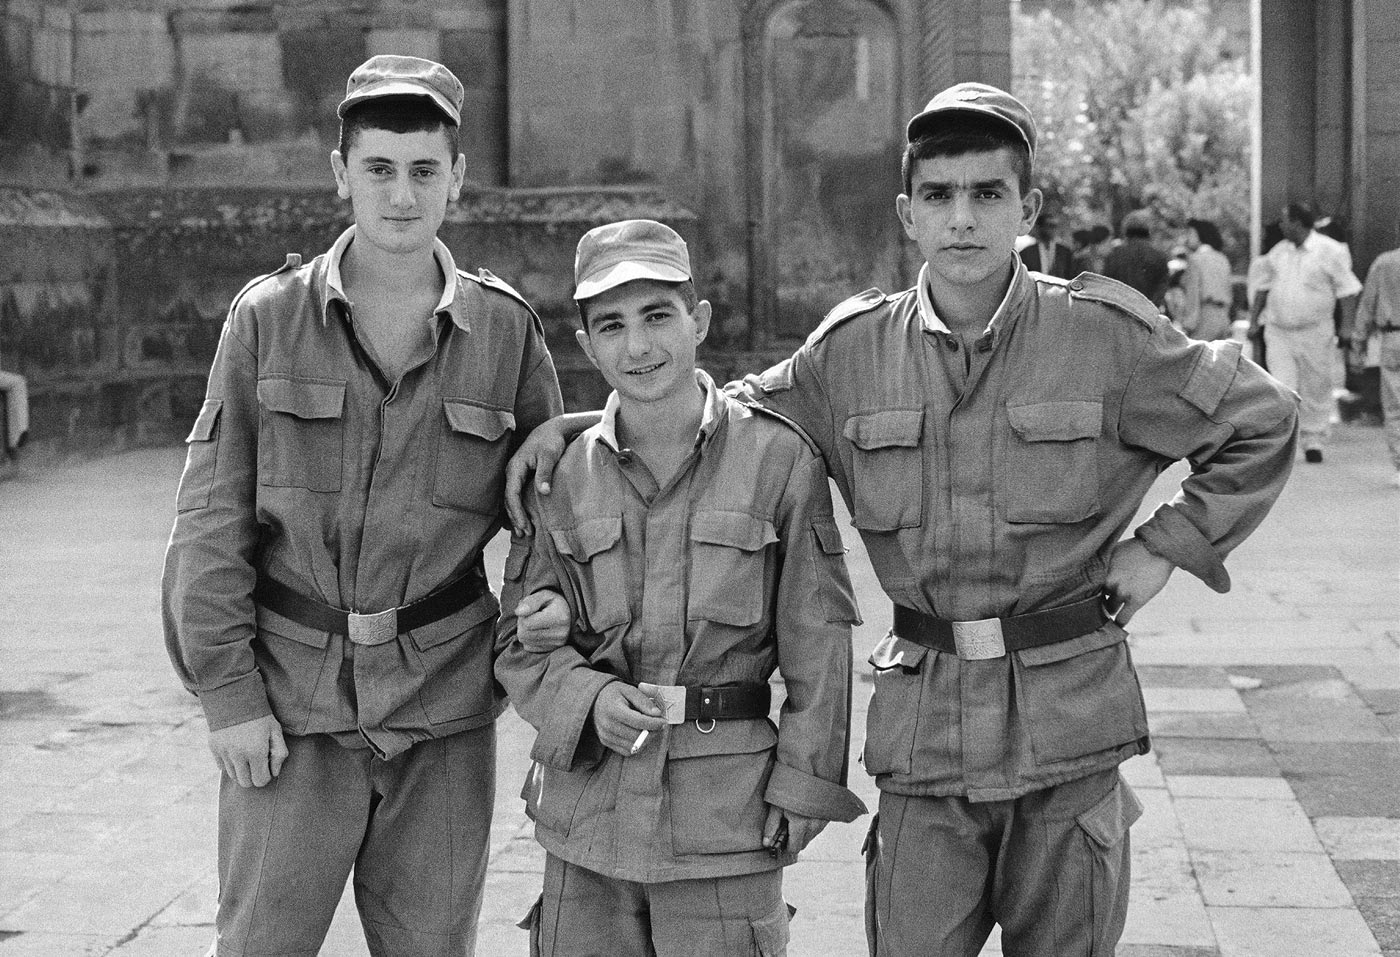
1139	106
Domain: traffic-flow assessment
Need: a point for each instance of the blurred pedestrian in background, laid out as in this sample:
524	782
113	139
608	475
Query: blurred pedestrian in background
1379	315
1260	269
1205	303
15	390
1092	246
1136	261
1307	275
1047	254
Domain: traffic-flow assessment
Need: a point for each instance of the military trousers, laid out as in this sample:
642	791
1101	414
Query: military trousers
586	914
413	831
1050	867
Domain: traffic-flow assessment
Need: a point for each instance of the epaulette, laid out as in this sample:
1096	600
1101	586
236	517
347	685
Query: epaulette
1111	292
293	262
487	278
753	406
860	303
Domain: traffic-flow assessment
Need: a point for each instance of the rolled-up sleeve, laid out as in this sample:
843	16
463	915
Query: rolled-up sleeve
1235	424
814	654
207	584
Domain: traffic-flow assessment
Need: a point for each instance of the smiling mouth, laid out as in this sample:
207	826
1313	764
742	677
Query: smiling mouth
644	370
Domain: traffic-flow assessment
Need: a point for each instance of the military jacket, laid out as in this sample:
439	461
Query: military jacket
308	465
994	481
731	570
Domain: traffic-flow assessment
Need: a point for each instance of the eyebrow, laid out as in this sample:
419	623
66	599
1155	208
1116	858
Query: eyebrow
978	184
386	161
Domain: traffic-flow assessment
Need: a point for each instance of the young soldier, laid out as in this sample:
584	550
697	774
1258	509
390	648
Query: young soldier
324	594
693	538
993	434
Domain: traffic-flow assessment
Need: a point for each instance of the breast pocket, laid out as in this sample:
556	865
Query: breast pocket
472	451
595	548
1052	472
888	464
728	567
301	434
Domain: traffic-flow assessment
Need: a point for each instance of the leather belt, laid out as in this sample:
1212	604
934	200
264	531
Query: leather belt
378	627
679	703
994	637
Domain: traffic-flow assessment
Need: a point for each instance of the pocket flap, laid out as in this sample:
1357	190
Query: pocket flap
1108	635
728	737
891	428
1107	821
456	624
735	529
588	538
303	398
489	424
828	536
895	651
1057	421
203	429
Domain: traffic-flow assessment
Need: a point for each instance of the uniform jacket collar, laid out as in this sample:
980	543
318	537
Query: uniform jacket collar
334	290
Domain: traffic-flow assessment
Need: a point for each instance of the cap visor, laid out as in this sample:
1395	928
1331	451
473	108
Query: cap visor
917	124
628	272
398	88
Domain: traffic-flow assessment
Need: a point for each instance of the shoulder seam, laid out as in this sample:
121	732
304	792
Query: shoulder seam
857	305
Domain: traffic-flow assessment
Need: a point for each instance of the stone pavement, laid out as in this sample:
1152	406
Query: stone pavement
1273	792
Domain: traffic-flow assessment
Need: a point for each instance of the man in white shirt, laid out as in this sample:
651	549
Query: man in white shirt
1308	275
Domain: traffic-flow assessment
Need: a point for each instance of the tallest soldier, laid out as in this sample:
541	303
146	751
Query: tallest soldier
324	594
993	433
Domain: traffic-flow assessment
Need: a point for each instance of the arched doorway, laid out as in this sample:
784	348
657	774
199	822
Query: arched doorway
829	160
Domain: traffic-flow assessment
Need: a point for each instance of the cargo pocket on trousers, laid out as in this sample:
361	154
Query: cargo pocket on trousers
889	468
1080	696
1052	472
1105	827
472	450
771	933
203	440
894	707
531	922
301	433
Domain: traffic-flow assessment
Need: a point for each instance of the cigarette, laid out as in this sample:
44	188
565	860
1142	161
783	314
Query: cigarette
641	740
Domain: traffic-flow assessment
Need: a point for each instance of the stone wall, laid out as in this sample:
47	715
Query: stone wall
111	304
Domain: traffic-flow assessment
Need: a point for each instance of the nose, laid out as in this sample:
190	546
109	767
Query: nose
638	341
401	192
962	218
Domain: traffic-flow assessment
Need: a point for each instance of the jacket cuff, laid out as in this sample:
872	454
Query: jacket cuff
243	699
1170	535
811	796
560	743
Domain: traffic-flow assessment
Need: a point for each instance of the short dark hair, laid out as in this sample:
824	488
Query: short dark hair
972	134
397	114
685	288
1301	213
1207	233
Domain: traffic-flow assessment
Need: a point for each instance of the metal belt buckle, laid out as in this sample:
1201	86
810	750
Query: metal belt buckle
979	640
669	698
373	629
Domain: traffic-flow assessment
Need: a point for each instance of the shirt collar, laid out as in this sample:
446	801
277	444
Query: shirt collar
335	289
930	318
710	416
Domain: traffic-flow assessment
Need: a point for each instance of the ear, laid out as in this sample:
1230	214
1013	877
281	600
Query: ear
342	175
1031	204
905	210
586	344
701	315
459	175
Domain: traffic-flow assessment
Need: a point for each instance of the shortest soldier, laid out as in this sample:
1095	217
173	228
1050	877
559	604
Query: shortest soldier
692	537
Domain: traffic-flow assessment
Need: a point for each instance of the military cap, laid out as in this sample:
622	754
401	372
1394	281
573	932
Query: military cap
632	249
389	75
977	99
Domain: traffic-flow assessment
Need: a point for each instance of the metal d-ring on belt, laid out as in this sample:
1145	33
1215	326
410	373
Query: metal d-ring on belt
679	703
993	637
378	627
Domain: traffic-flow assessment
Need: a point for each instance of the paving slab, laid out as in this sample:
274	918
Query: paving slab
1263	879
1245	758
1343	778
1292	932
